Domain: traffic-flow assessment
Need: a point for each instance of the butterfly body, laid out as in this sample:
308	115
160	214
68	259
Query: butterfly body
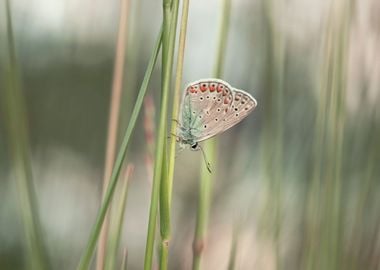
209	107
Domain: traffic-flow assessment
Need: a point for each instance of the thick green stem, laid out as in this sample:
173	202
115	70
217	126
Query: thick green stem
166	182
160	160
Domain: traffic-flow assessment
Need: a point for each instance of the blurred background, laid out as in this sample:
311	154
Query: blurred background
296	183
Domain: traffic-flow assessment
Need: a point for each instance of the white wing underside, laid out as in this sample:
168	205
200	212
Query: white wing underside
213	112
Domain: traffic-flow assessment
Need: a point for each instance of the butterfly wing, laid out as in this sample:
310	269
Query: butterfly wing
200	99
241	106
211	106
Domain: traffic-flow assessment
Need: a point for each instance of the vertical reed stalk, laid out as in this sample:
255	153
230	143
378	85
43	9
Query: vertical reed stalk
177	93
113	120
166	182
149	112
313	209
273	127
334	143
133	56
205	184
328	150
87	254
118	220
160	168
15	112
123	265
233	251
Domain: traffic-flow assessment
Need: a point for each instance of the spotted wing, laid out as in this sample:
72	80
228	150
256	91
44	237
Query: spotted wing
212	106
241	105
201	99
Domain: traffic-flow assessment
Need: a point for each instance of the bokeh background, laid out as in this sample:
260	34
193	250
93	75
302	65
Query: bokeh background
296	183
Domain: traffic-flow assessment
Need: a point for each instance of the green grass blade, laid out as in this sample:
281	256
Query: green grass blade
170	10
16	125
272	132
177	93
166	181
117	222
87	255
123	265
113	120
210	150
164	211
233	251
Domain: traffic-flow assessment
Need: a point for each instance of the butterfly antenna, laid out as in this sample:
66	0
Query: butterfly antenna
205	159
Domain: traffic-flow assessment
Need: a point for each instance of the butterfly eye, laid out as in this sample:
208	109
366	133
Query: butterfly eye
212	87
220	88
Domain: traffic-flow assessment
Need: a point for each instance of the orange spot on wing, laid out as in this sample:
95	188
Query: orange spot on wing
204	87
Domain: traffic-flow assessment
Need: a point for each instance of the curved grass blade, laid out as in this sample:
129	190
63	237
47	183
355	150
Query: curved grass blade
87	255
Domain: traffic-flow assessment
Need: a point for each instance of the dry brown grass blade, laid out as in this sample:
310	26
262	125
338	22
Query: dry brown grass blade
117	84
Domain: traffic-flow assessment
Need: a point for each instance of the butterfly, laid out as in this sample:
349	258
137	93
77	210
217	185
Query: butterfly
210	107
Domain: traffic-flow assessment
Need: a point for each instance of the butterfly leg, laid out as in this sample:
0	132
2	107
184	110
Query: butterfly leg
177	122
175	135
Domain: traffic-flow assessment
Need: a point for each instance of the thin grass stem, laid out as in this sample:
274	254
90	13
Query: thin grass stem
205	184
89	250
273	128
116	92
177	93
118	220
233	251
15	111
123	265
